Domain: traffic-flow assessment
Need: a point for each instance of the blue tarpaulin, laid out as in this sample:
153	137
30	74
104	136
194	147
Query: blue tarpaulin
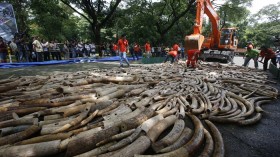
53	62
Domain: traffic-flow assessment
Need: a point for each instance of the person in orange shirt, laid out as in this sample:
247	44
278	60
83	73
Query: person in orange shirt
123	45
174	56
136	51
192	57
114	49
148	49
175	47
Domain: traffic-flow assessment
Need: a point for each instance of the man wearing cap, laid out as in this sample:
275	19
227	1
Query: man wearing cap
251	54
123	45
267	54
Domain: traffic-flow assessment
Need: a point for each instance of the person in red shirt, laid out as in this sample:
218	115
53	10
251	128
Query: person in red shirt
123	45
175	47
267	54
136	51
148	49
192	57
173	54
114	49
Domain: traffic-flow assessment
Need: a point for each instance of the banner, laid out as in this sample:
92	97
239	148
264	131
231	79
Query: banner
8	25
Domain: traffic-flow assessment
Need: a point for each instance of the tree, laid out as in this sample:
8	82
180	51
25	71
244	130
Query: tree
265	25
166	14
97	12
49	16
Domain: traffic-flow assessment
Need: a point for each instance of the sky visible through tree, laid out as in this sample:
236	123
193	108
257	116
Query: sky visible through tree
256	4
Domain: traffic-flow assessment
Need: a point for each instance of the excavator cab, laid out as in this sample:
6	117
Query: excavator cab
228	38
220	44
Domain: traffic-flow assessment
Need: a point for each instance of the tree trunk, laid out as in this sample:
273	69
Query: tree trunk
97	38
162	38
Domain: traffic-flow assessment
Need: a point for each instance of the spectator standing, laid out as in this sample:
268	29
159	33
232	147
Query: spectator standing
103	49
123	45
251	54
38	48
52	49
28	50
87	49
115	49
47	56
148	49
80	48
66	50
3	51
73	49
93	49
19	40
9	50
267	54
58	49
14	49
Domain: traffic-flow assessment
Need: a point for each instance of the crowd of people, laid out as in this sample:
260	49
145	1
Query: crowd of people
35	49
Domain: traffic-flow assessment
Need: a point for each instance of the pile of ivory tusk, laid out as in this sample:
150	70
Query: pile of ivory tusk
156	110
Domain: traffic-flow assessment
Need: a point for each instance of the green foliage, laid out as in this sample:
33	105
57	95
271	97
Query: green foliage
265	26
160	22
49	17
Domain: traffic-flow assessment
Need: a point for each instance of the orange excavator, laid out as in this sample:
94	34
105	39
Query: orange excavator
220	45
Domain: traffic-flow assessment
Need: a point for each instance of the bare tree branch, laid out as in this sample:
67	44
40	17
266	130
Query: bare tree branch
75	10
112	10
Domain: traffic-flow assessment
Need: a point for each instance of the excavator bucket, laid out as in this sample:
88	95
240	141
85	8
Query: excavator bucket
194	41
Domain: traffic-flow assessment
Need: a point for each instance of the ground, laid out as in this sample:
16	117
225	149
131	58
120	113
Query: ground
259	140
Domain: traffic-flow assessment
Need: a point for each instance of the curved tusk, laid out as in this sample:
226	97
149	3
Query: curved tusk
171	137
157	129
209	145
139	146
219	149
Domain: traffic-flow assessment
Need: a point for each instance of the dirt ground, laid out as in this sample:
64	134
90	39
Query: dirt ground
259	140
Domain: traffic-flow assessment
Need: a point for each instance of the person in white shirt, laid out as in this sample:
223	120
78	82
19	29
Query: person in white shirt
38	48
92	49
80	49
14	49
46	51
52	49
87	49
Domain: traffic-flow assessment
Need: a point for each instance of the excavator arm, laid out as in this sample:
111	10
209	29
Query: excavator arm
195	40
